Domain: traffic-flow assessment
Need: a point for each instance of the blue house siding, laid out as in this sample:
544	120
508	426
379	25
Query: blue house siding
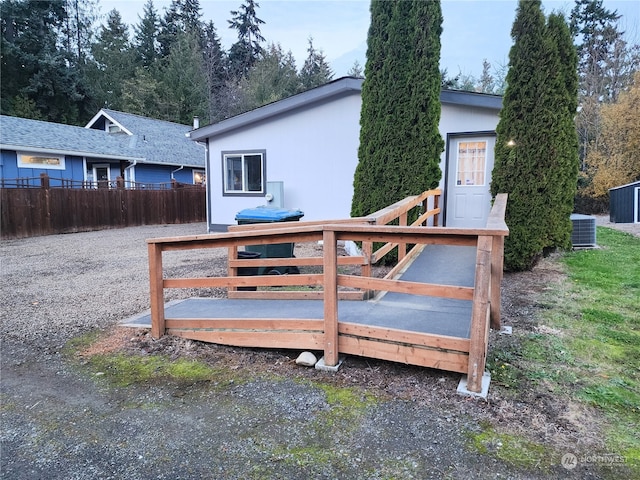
185	175
74	168
9	164
162	174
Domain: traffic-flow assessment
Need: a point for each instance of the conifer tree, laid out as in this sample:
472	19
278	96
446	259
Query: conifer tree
113	62
248	49
565	150
146	36
316	70
536	146
400	144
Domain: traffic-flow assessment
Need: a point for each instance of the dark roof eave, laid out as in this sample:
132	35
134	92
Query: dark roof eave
471	99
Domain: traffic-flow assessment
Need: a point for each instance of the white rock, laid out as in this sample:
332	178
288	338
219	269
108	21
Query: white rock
306	359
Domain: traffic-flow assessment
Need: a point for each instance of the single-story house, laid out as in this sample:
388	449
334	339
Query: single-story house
144	152
303	152
624	203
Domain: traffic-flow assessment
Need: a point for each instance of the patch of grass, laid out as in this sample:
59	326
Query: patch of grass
502	364
81	342
512	449
124	369
595	357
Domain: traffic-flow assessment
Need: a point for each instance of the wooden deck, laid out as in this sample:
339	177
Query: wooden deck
322	321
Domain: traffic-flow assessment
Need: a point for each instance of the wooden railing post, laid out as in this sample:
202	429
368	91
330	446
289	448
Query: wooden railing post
436	205
330	267
479	315
232	271
156	290
497	266
366	271
402	247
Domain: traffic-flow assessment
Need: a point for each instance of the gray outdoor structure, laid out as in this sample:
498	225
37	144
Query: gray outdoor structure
624	203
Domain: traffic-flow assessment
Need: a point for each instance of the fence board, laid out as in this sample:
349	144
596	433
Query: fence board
29	212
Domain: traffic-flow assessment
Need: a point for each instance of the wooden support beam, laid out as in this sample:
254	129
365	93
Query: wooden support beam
156	290
331	354
479	314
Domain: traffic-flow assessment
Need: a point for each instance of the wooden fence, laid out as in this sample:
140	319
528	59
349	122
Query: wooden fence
27	212
466	355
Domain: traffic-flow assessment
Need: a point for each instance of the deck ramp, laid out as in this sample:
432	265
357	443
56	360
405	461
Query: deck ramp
443	264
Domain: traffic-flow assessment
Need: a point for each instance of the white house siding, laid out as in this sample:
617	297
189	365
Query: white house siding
314	152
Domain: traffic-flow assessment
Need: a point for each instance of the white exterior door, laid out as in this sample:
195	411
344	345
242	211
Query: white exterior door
469	173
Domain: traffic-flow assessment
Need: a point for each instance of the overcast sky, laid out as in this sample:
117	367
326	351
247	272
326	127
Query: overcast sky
472	30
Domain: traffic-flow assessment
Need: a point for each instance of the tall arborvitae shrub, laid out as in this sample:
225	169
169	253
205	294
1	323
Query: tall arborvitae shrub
535	147
565	154
400	144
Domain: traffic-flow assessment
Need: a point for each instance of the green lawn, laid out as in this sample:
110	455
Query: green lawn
589	350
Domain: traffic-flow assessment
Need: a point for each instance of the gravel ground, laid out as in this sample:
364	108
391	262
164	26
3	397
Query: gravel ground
275	420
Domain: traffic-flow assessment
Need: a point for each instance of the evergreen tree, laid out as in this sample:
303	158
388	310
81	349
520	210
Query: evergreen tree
113	59
562	134
77	30
606	65
38	78
272	78
215	64
141	94
146	36
182	16
400	144
535	153
356	70
248	49
183	86
315	71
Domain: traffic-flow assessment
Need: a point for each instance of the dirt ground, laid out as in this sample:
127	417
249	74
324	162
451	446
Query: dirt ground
266	417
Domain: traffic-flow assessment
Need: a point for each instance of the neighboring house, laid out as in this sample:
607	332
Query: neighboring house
142	151
308	144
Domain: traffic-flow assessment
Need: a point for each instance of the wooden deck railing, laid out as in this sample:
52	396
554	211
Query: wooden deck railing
428	202
327	333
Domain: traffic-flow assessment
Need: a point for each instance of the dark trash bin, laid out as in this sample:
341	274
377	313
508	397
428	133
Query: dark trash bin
248	271
265	214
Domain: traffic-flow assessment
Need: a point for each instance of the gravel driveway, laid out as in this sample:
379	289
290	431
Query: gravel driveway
62	421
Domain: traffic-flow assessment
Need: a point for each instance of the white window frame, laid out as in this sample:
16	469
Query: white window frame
24	163
484	171
244	189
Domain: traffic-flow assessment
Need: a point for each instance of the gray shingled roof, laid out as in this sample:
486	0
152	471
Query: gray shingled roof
153	141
